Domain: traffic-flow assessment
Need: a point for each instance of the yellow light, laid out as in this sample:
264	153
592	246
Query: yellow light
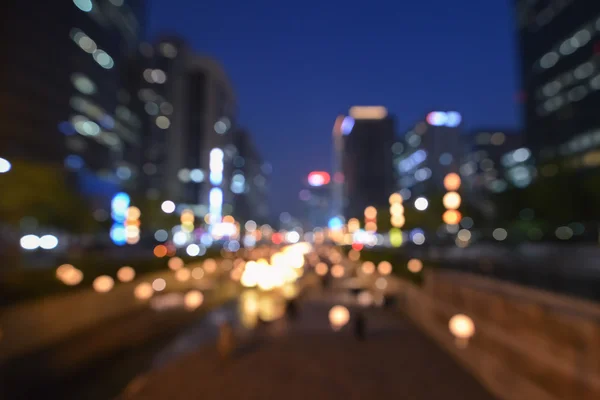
69	276
396	198
451	200
353	225
193	299
370	213
396	237
396	209
415	265
452	217
462	328
133	240
197	273
338	317
103	284
143	291
126	274
398	221
187	217
133	213
384	268
452	182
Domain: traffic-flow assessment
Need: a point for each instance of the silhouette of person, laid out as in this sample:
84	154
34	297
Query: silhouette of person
360	327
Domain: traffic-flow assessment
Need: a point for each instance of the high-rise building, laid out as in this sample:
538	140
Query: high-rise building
317	198
366	162
64	90
191	108
560	69
429	151
249	180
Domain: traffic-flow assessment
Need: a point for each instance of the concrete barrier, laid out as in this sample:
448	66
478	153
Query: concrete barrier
31	326
529	344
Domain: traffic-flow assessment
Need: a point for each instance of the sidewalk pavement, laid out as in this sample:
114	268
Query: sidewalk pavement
305	359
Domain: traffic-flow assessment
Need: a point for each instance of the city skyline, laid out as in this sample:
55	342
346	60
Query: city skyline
293	71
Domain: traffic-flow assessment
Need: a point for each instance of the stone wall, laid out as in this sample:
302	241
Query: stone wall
529	344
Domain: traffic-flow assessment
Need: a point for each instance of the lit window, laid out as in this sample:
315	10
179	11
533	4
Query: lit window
577	93
83	5
83	84
567	47
103	59
158	76
584	70
168	50
581	38
163	122
549	60
551	88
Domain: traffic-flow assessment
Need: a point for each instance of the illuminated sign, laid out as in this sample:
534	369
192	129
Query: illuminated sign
347	125
450	119
368	112
318	178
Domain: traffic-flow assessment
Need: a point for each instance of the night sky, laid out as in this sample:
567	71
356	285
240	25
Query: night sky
296	65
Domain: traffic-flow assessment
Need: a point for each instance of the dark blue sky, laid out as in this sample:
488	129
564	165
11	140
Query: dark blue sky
295	65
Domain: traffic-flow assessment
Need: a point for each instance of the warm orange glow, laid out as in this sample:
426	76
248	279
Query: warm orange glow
451	200
187	217
126	274
338	317
462	327
353	225
69	275
370	213
452	217
321	269
368	112
133	213
337	271
103	284
396	198
452	182
384	268
368	268
175	263
209	265
414	265
143	291
371	227
354	255
183	274
228	219
193	299
398	221
160	251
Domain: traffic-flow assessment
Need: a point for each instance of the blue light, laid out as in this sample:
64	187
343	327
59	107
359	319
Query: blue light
118	234
347	125
216	177
83	5
335	223
73	162
66	128
119	205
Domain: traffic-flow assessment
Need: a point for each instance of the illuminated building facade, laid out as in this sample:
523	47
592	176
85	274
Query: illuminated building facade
249	180
190	111
64	98
560	69
429	151
366	162
317	199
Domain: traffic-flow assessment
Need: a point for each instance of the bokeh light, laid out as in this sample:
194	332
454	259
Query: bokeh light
451	200
414	265
103	284
338	316
384	268
126	274
452	182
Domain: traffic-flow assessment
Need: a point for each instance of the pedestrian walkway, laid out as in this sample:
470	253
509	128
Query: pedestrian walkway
304	359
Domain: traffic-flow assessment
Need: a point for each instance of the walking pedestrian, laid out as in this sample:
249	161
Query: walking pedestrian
226	340
360	327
